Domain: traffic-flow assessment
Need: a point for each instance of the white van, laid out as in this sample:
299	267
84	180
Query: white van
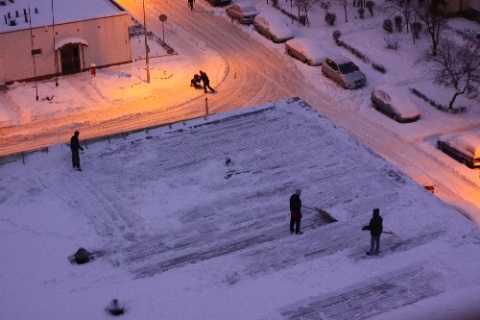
464	147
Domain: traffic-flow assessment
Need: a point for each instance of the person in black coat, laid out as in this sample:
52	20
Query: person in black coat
75	146
295	212
376	228
206	82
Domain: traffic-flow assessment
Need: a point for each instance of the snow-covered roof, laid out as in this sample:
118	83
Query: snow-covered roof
42	14
64	41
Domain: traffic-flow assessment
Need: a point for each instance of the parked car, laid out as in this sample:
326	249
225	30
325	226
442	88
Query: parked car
464	147
343	71
272	28
216	3
242	12
394	104
305	50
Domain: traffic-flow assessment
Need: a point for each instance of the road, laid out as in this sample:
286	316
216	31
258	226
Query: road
254	74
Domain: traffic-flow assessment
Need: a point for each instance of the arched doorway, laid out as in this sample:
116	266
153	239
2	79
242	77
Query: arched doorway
70	54
70	58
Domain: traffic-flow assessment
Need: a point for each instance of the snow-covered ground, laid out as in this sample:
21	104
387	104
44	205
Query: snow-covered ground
182	236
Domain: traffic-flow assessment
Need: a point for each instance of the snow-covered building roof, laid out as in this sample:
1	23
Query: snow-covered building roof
173	227
48	12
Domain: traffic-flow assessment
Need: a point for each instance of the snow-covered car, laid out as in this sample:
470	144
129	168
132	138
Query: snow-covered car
272	28
394	104
305	50
242	12
343	71
216	3
464	147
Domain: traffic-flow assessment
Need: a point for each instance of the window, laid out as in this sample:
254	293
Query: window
36	52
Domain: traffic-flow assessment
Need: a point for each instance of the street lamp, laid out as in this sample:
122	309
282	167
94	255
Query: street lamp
146	42
33	53
55	60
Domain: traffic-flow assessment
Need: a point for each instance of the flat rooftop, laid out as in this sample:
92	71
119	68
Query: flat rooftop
179	232
41	12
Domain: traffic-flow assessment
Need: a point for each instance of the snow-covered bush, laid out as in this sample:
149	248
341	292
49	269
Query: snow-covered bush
379	67
388	25
391	42
336	36
416	29
330	18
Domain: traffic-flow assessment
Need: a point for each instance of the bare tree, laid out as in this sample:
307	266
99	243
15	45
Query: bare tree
434	24
306	5
344	4
457	66
407	11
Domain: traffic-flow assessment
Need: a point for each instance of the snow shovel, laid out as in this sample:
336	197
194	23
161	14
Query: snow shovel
324	213
391	233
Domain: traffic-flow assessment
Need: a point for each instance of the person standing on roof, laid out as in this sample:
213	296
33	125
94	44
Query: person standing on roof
75	146
376	228
190	3
206	82
295	212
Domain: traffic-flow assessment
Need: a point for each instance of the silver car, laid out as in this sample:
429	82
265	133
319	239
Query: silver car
243	13
344	72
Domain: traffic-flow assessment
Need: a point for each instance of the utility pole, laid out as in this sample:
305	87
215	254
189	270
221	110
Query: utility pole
146	42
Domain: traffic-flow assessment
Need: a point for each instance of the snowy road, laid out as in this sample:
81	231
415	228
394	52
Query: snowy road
254	73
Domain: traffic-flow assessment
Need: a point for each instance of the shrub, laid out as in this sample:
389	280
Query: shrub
398	22
361	13
330	18
379	67
388	25
416	29
391	42
336	36
437	105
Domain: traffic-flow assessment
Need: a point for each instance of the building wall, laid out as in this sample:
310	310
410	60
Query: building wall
108	44
475	5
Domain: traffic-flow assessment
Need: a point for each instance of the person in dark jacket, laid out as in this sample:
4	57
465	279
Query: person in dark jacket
190	4
195	81
75	146
206	82
295	212
376	228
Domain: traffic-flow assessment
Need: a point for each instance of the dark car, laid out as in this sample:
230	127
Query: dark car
394	104
219	3
464	147
243	13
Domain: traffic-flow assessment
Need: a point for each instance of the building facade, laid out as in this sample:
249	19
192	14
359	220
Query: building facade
41	38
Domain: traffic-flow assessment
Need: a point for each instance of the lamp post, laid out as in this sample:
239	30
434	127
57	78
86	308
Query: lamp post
146	42
33	54
55	60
